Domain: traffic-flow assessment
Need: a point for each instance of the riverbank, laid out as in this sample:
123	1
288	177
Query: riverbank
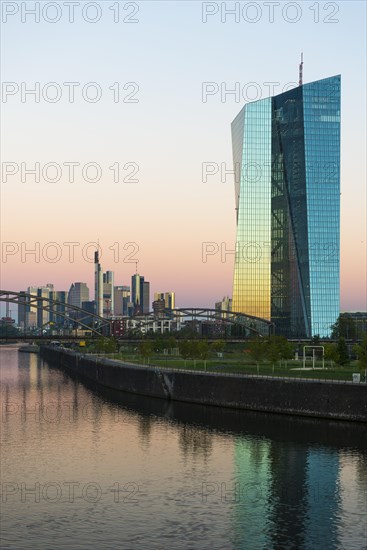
335	400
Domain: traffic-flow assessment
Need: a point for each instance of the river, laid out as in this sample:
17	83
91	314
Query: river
85	467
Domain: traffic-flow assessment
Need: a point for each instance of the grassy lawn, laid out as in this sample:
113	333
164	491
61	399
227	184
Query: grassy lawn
236	364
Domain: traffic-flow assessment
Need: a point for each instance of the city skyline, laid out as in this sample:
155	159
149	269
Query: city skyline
106	300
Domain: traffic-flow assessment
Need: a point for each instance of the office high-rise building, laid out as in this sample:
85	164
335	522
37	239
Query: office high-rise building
78	293
29	313
140	294
98	285
108	294
121	299
158	307
146	297
30	316
37	316
224	305
61	296
168	297
136	284
23	309
88	307
288	208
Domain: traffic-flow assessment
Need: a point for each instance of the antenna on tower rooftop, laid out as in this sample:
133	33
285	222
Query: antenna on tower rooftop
300	82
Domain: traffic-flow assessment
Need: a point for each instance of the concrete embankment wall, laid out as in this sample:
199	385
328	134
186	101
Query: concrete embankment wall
344	401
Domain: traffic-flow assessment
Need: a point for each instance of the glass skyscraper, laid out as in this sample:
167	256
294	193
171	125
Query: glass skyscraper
286	151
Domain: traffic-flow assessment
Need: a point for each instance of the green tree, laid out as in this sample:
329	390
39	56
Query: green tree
194	350
203	350
342	350
172	342
361	351
146	349
218	346
279	348
258	350
286	349
169	343
331	353
159	344
105	345
344	327
273	351
184	347
7	330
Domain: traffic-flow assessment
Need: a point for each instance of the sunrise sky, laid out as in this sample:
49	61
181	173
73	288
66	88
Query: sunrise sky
163	132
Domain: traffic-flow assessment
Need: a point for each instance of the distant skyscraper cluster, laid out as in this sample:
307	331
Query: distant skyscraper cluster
109	301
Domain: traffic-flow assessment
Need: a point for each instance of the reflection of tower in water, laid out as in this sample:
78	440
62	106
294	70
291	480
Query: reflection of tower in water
145	429
251	494
284	495
289	494
195	442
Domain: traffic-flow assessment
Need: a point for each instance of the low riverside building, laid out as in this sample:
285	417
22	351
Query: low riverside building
145	324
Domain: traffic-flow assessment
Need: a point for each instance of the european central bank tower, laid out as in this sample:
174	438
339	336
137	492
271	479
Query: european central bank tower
286	151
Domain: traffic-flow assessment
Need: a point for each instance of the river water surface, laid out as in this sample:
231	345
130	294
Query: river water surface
85	467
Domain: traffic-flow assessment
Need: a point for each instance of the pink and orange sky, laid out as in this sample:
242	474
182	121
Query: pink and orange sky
168	131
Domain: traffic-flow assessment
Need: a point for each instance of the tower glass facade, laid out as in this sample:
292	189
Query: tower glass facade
253	213
288	209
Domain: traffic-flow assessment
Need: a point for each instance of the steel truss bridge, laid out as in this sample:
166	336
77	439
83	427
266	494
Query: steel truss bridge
78	318
71	314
